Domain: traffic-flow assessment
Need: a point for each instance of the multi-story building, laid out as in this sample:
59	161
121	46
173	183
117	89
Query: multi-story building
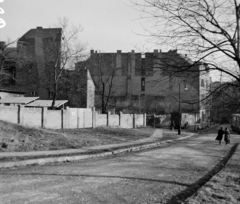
152	82
34	63
38	52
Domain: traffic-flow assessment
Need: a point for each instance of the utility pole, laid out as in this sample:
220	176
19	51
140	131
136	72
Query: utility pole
179	106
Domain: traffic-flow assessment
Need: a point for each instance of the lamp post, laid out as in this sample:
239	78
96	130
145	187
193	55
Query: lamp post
179	106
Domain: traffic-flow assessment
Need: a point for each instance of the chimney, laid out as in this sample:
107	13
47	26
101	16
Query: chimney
133	51
39	27
119	59
91	52
155	51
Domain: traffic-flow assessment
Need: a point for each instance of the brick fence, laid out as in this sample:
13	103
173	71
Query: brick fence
68	118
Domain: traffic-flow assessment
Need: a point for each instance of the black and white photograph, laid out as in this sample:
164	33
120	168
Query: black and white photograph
119	101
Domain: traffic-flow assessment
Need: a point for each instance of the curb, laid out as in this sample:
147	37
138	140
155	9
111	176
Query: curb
41	161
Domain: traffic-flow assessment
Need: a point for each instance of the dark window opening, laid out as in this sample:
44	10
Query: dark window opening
50	94
142	84
143	73
34	93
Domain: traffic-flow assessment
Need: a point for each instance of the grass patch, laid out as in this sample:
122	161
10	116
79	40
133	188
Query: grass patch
17	138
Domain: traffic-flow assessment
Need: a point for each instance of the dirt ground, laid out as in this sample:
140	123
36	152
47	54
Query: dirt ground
169	174
16	138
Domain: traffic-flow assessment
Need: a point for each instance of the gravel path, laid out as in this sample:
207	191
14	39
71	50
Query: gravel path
169	174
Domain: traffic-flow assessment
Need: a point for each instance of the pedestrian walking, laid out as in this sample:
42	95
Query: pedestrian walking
220	135
227	136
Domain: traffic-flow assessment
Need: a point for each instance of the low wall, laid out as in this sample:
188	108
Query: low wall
69	118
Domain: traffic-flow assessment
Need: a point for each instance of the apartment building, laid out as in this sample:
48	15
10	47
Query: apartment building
153	82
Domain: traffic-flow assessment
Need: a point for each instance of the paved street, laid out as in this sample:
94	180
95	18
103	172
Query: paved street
160	175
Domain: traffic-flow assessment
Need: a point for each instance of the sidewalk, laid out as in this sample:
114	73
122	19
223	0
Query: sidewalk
13	159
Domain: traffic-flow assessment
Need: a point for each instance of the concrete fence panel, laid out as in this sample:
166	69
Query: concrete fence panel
31	117
84	118
88	114
139	120
126	121
53	119
72	117
101	120
81	118
113	120
9	113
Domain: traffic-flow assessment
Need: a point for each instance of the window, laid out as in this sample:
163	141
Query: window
202	83
143	73
50	94
34	93
142	84
14	73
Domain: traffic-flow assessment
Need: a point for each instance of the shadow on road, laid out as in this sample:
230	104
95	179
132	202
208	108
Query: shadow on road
98	176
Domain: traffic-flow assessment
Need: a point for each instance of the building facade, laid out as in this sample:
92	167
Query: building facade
152	82
34	49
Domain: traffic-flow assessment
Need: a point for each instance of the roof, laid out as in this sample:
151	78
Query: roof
45	32
47	103
18	100
12	91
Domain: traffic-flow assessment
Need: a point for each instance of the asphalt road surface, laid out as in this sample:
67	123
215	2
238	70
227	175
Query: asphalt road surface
167	174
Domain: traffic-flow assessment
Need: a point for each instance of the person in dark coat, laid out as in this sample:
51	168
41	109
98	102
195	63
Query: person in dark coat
227	136
220	135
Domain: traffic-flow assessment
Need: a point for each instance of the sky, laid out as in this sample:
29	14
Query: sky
108	25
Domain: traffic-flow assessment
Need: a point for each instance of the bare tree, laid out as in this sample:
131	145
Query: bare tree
62	56
107	70
8	57
207	30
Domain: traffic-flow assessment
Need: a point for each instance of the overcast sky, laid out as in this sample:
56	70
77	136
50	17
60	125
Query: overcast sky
109	25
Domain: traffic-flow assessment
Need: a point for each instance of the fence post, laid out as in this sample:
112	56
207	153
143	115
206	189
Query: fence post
62	118
108	116
21	114
120	119
78	115
44	117
134	120
93	117
144	120
68	116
